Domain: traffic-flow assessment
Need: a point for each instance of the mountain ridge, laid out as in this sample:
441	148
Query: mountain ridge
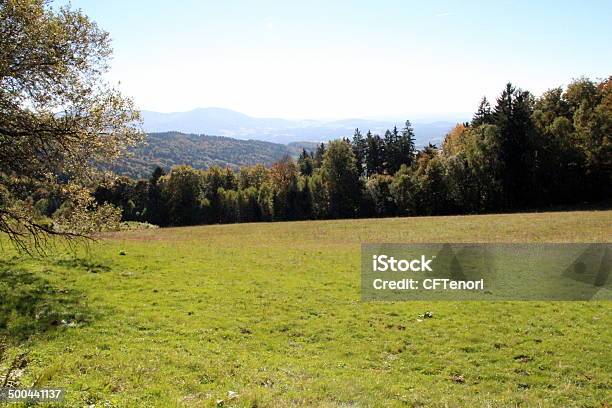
168	149
230	123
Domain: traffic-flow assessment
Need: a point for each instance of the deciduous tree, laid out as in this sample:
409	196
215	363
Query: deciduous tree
58	118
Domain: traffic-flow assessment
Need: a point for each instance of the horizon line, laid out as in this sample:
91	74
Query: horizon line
391	117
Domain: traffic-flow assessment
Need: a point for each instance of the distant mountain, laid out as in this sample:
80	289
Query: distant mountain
225	122
182	138
199	151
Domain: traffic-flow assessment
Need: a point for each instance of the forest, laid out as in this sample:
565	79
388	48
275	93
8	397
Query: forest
522	152
168	149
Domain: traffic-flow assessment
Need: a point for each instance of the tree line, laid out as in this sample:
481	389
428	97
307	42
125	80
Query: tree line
522	153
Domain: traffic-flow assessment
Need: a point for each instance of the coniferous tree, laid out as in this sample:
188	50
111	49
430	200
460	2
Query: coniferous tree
230	206
484	168
375	154
359	146
306	163
248	208
318	157
407	148
155	213
213	180
483	115
512	116
304	199
391	152
399	148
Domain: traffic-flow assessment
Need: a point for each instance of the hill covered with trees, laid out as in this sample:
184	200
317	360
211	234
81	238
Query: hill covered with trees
522	152
170	149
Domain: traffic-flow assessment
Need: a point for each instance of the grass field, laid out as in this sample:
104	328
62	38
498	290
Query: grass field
270	315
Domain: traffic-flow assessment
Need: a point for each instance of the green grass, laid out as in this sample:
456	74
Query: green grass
182	316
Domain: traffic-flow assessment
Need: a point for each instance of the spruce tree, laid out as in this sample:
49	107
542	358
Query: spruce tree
318	157
359	146
390	153
155	213
512	116
483	115
407	146
375	154
305	163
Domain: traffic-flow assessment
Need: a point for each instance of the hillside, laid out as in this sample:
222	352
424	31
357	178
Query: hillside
183	138
199	151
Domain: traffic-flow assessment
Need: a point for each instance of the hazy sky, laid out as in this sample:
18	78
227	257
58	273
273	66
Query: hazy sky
337	59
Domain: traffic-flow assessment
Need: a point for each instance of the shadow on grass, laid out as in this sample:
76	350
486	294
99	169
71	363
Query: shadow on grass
30	304
83	264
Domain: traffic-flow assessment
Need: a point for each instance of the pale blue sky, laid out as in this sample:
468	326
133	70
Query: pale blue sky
337	59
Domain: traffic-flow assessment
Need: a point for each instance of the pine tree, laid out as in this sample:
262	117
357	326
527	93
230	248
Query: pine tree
359	146
483	115
399	148
375	154
318	157
155	213
407	146
512	116
390	153
305	163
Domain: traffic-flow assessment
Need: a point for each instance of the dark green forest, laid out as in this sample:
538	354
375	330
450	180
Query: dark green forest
168	149
521	152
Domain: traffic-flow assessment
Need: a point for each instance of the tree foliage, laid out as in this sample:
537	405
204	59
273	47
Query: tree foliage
524	153
340	174
57	120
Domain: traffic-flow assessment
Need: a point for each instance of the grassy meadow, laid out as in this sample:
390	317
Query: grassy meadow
270	315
